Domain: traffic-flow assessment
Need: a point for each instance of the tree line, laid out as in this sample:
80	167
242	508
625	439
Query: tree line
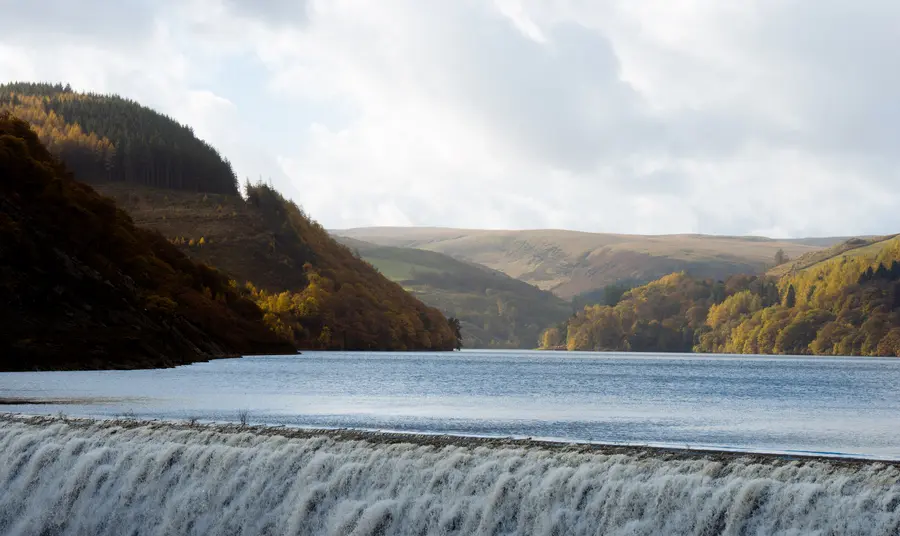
106	138
848	305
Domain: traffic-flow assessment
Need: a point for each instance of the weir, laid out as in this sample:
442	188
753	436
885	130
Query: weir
101	477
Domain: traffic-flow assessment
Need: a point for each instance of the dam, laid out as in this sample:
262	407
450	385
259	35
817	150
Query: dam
65	476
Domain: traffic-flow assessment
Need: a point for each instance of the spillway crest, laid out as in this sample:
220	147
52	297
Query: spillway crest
102	478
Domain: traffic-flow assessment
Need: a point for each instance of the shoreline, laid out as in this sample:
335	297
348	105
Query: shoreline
436	440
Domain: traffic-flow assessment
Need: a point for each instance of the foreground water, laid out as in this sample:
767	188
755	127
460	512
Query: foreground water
821	405
62	477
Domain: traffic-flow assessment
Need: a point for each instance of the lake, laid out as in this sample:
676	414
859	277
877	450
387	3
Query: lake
846	406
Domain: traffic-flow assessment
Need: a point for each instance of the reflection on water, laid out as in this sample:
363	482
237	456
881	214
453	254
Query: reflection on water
848	405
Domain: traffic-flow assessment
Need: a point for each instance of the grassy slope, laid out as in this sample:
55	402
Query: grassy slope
495	309
570	262
850	248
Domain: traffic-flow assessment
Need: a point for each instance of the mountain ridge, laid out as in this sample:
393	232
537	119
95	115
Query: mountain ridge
569	263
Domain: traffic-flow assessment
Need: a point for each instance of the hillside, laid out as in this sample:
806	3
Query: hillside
314	291
105	138
850	248
82	287
845	305
496	310
569	263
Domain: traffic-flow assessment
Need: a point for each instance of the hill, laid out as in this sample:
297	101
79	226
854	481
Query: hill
496	310
850	248
82	287
104	138
569	263
314	291
845	305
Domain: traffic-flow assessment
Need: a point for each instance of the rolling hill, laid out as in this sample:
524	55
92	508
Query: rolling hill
569	263
496	311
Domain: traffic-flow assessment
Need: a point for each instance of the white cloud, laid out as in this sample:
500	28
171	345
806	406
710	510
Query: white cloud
649	116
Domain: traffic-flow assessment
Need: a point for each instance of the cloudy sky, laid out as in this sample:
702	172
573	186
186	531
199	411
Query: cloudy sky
773	117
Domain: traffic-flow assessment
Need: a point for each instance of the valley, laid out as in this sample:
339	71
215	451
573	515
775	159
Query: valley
569	263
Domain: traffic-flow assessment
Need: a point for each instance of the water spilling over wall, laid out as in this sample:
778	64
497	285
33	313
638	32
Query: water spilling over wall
101	478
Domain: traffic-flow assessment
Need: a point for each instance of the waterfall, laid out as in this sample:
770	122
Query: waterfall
100	477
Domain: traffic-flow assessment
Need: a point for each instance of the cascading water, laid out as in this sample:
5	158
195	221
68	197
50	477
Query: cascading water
104	478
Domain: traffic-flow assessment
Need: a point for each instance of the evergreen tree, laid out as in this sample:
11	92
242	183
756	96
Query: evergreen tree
790	299
107	138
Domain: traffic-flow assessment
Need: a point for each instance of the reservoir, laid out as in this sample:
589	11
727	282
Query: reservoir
820	405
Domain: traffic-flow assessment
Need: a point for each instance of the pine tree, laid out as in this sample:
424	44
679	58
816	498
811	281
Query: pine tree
790	299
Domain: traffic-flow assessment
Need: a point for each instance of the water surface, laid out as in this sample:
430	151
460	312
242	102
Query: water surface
827	405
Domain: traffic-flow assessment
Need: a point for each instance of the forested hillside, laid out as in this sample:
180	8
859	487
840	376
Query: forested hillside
495	310
105	138
82	287
314	291
846	305
570	263
346	303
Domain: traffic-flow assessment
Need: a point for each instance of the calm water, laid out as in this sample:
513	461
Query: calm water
833	405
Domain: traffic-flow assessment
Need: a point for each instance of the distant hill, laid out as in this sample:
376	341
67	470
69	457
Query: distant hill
496	310
82	287
105	138
569	263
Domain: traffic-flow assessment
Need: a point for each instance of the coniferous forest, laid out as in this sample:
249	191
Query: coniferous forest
104	138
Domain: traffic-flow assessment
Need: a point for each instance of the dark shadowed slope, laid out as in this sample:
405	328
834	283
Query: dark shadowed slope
314	290
82	287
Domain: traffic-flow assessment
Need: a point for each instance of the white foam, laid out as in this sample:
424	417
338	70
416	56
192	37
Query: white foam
102	478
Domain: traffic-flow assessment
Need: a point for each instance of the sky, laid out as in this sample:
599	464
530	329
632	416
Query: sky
767	117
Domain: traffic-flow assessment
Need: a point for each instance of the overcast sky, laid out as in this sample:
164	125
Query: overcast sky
772	117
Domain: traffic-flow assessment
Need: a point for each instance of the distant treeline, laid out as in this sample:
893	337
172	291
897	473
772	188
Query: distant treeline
104	138
848	305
